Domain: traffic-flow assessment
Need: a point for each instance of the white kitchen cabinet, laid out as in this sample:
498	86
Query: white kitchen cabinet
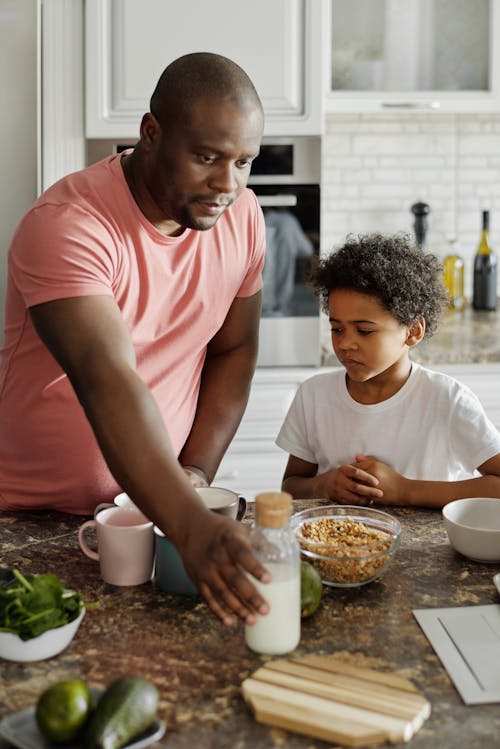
253	462
423	55
129	42
484	380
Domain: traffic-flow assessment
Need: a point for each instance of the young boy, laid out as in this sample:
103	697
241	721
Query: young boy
386	429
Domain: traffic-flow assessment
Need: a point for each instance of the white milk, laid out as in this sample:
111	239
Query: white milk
279	631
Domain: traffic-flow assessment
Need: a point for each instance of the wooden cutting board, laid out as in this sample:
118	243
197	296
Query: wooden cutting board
329	699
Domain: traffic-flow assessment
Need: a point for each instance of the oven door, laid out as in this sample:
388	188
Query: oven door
289	328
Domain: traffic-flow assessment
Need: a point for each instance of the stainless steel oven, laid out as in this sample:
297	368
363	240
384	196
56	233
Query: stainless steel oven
286	179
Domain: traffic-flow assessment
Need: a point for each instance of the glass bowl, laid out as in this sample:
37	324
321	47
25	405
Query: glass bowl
349	545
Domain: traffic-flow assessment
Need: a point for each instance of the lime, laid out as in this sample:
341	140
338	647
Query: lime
62	709
311	589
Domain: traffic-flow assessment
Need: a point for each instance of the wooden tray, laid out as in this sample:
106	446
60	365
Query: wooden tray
327	698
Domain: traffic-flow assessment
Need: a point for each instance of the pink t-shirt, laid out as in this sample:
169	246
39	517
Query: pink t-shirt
85	236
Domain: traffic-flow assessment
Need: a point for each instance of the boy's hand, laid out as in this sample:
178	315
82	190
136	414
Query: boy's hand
391	482
351	484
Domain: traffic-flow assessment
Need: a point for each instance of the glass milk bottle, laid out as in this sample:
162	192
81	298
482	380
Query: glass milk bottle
275	545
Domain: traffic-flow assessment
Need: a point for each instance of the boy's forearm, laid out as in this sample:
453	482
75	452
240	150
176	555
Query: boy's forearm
438	493
301	487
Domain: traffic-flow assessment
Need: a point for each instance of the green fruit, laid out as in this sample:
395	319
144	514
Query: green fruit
62	709
311	589
125	710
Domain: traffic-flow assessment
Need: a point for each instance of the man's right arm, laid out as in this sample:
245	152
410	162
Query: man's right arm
89	339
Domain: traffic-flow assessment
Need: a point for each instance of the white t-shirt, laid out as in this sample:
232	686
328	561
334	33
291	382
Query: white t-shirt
434	428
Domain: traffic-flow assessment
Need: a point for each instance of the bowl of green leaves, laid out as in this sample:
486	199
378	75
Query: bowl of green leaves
39	616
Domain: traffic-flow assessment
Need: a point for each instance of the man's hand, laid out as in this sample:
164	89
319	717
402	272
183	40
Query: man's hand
217	555
392	483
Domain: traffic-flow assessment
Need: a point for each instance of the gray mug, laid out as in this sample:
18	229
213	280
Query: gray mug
170	574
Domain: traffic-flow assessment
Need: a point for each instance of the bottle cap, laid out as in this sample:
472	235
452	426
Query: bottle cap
272	509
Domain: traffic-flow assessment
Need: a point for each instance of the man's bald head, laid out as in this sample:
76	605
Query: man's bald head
200	75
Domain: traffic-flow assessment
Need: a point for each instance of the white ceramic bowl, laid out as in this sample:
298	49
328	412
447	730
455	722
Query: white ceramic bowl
473	527
46	645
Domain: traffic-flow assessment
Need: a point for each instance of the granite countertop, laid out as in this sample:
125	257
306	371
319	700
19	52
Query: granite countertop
464	337
198	665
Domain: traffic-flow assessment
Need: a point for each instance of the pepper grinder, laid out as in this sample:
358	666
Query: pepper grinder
421	211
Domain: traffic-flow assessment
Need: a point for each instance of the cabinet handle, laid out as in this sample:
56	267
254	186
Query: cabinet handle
277	201
411	104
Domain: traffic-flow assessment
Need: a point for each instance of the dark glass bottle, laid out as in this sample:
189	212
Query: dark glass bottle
485	271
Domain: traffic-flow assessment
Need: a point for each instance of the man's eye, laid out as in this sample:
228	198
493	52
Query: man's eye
365	332
243	163
207	159
336	330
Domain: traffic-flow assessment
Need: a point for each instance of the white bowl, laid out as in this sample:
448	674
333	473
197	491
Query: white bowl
473	527
46	645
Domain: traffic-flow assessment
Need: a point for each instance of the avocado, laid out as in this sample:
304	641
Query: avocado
126	708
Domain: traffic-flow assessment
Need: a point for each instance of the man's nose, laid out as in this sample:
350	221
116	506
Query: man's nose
223	179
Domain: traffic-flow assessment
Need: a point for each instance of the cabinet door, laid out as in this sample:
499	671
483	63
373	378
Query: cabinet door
253	462
483	379
414	54
130	42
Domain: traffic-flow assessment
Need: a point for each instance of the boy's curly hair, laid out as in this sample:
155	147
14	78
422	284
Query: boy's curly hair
406	280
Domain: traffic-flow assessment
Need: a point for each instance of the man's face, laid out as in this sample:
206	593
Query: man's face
198	168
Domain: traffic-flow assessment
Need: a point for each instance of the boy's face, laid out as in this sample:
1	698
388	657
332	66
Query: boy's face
366	338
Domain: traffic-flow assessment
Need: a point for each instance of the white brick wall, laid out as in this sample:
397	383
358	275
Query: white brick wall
375	166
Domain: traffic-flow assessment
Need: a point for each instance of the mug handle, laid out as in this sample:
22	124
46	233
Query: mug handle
81	539
242	508
103	506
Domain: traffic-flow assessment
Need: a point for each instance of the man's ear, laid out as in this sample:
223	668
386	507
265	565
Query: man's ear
150	129
416	332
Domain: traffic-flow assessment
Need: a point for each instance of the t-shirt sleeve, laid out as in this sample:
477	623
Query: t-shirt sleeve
292	436
256	233
472	435
60	251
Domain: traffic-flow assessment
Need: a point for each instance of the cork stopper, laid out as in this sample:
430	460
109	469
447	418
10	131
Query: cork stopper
272	509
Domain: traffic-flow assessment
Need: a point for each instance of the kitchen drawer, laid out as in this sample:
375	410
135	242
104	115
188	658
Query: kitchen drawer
250	472
253	462
270	397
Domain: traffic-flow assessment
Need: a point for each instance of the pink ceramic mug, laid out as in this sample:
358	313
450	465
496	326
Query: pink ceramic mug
125	545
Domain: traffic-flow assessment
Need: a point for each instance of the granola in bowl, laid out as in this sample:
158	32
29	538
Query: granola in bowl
348	545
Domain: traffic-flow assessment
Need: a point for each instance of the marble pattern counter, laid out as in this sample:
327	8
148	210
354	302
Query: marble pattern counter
465	337
198	665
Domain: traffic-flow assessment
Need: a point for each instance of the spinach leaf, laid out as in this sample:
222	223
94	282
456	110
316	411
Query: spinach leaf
33	604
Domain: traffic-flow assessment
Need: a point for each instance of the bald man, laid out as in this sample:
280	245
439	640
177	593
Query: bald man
132	315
